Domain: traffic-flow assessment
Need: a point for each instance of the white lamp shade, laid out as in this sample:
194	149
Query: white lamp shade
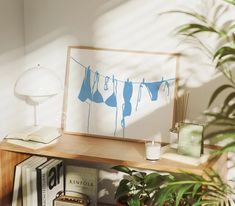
38	83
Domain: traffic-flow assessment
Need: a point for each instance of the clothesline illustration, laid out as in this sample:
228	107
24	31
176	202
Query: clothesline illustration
108	77
91	92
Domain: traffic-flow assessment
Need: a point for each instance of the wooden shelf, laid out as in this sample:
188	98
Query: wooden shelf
109	151
93	149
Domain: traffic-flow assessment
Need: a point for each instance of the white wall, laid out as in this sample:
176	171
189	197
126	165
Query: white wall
52	25
12	110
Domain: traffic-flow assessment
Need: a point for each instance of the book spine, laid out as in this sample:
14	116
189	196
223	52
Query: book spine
39	186
44	189
33	183
24	185
17	185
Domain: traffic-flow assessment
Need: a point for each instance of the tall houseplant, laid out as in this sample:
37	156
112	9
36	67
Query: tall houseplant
189	189
223	58
138	188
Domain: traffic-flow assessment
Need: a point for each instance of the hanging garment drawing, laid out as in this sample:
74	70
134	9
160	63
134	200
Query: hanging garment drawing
126	106
106	81
96	96
167	84
85	91
111	101
153	89
139	94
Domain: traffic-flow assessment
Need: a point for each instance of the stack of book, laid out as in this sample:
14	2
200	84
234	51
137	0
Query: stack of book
37	181
40	181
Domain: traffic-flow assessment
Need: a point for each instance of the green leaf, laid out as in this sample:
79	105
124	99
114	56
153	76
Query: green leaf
231	27
226	60
224	51
154	180
122	168
122	189
196	187
134	201
164	195
206	202
230	110
214	176
218	91
233	36
188	13
228	148
181	192
195	28
137	178
230	1
229	98
221	134
223	122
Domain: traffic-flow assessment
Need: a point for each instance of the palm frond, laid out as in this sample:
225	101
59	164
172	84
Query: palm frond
193	28
224	52
197	16
218	91
228	148
230	1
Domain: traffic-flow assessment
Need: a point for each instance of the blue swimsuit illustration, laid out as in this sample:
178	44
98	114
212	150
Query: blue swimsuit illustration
111	101
85	91
126	107
153	90
94	95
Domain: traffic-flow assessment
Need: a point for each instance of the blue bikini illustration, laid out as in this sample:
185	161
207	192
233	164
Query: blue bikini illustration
85	91
111	101
153	90
89	94
96	95
126	106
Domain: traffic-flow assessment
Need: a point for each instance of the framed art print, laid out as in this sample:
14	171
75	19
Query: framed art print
119	93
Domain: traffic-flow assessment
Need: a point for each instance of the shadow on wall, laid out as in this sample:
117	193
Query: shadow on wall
12	27
73	20
123	24
11	64
50	26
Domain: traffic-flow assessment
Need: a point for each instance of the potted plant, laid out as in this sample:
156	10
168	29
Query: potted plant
174	189
137	187
186	188
223	59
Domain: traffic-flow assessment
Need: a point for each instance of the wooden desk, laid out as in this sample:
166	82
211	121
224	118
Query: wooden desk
93	149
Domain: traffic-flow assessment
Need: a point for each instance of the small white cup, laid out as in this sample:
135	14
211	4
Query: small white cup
153	150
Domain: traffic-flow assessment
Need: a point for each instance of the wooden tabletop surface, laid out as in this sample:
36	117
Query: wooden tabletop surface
109	151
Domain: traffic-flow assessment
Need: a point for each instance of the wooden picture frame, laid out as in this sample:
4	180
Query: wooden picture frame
119	67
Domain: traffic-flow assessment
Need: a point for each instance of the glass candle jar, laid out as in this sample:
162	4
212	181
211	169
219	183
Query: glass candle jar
153	150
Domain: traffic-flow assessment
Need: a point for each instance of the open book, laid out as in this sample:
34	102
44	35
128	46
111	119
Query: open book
34	137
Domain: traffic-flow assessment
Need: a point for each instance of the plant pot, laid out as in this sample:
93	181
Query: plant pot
120	204
122	201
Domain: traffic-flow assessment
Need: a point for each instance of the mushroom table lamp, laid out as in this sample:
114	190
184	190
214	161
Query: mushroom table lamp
36	85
